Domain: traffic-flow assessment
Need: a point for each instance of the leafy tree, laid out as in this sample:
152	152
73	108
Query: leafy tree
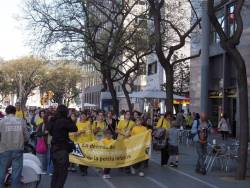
24	75
5	86
64	80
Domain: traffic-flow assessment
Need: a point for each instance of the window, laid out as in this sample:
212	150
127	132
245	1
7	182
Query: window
152	68
221	18
231	20
142	2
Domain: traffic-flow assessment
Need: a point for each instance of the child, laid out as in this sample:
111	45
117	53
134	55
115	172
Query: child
173	145
139	128
106	141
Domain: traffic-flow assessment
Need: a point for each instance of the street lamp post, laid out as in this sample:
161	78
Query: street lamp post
20	87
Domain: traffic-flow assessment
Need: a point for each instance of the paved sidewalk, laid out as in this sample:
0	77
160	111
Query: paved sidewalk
216	177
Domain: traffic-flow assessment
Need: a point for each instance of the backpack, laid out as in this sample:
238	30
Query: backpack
192	135
159	135
203	134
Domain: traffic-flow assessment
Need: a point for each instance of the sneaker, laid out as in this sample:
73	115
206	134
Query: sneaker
106	176
172	164
203	172
176	164
73	169
43	173
132	170
141	174
84	173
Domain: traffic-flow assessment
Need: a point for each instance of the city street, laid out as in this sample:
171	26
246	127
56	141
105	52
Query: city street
156	176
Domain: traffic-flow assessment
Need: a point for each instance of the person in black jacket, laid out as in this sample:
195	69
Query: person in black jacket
59	127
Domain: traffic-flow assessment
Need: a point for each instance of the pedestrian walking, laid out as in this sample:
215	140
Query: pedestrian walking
59	128
42	143
84	134
173	145
111	124
164	122
223	127
200	130
13	135
125	126
99	126
107	140
139	128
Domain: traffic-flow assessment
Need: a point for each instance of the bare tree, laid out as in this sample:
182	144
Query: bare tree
229	43
93	28
171	31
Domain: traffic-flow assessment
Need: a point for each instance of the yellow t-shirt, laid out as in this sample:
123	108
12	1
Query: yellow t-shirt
107	141
189	120
98	124
138	129
101	126
39	121
163	123
124	127
20	114
87	133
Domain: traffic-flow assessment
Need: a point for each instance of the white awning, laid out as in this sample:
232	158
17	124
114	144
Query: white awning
154	95
89	105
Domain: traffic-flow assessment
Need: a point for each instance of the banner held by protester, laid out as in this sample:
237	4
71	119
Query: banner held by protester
119	153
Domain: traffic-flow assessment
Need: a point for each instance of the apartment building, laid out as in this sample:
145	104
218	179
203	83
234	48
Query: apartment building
213	76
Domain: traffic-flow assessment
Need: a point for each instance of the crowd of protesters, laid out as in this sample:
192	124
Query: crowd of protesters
54	128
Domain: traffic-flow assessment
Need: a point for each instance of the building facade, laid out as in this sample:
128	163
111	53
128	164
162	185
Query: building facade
213	76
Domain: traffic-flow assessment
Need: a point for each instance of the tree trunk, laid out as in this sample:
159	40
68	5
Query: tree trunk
243	108
169	88
126	93
23	101
113	95
243	120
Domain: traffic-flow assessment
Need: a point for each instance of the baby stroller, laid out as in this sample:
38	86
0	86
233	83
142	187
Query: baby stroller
31	174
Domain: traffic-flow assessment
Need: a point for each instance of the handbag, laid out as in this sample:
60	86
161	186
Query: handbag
159	138
41	146
70	145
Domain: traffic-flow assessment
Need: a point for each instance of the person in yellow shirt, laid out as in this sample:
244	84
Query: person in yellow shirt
107	140
138	129
99	126
125	126
84	134
19	111
164	122
39	120
189	121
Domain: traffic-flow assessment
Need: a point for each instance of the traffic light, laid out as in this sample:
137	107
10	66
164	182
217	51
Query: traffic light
50	94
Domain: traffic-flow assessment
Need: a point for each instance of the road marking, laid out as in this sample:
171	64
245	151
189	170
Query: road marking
156	182
109	183
189	176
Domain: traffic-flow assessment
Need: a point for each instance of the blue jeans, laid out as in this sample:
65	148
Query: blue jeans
50	167
15	159
202	152
43	160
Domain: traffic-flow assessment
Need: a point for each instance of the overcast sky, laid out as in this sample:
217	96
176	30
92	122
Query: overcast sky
12	38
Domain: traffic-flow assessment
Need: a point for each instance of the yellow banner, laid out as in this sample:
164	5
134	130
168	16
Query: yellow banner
118	153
